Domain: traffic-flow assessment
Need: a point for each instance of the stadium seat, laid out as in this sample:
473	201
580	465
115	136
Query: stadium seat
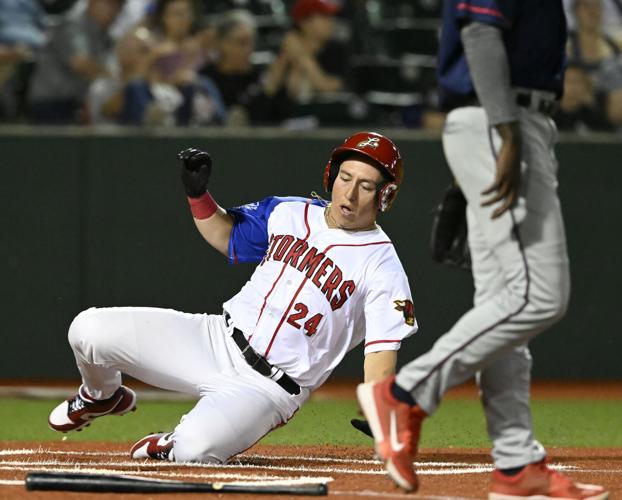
384	10
407	74
407	36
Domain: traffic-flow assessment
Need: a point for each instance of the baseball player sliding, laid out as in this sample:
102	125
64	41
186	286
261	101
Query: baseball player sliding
501	70
327	279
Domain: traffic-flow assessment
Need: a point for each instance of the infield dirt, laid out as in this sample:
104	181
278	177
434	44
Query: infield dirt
451	474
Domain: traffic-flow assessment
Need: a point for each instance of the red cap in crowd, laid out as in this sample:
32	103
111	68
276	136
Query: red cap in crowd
305	8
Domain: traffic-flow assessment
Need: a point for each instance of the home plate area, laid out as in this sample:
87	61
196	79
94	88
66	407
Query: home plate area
349	472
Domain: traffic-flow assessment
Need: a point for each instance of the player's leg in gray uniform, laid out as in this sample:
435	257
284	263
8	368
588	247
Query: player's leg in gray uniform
189	353
521	275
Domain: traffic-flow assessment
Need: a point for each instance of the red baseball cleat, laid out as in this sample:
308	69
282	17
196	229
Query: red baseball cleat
538	482
78	411
396	427
157	446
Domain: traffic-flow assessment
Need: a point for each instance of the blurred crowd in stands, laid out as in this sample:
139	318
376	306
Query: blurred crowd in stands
293	63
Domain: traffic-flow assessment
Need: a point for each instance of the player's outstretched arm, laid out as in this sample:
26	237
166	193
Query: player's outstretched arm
211	220
379	365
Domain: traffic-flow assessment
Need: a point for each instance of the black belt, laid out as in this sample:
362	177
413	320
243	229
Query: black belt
523	99
544	106
260	364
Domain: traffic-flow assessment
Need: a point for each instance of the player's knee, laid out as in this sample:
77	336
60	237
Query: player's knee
557	309
85	332
195	449
80	328
553	306
209	439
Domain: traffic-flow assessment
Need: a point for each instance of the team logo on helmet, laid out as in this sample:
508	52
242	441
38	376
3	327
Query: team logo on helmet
408	309
372	142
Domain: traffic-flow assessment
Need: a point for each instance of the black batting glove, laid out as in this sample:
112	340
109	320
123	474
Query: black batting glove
362	425
195	172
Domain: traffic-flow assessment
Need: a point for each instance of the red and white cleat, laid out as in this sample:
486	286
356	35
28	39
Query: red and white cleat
538	482
77	412
158	446
396	427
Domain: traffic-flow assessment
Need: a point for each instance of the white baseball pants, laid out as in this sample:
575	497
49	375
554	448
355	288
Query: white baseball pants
522	283
189	353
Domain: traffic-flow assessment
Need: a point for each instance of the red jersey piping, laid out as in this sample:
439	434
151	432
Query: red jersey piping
480	10
382	342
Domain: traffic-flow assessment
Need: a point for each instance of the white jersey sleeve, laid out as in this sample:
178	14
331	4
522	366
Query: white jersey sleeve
389	311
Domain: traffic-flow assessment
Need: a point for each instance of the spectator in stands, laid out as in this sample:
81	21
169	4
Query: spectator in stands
77	52
580	110
106	98
609	82
611	17
241	84
21	35
310	61
588	45
172	91
132	14
232	70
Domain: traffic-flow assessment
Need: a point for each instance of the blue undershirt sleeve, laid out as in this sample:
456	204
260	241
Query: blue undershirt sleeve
249	236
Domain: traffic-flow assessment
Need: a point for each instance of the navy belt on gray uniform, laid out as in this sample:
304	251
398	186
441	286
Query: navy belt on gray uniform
524	99
260	364
529	100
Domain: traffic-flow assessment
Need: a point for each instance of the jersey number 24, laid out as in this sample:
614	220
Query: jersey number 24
310	326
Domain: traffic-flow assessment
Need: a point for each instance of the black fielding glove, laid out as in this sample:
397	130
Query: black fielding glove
195	171
361	425
449	236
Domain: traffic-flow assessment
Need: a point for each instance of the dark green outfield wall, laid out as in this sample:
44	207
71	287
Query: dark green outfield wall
100	219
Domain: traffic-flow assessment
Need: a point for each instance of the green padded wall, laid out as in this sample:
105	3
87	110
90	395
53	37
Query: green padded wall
94	218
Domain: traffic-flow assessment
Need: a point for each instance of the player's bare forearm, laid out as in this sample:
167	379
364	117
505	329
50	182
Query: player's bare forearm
216	230
379	365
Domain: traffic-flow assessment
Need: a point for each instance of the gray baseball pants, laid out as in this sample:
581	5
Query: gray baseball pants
521	277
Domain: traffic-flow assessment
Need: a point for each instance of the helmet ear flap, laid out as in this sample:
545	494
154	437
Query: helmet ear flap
386	196
330	174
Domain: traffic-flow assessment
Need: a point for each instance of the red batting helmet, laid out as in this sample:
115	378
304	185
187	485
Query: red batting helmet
384	155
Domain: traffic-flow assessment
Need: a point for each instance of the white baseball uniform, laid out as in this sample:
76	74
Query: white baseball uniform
316	294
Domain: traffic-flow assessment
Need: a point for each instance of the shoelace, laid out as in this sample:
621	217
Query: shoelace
162	455
166	450
76	404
